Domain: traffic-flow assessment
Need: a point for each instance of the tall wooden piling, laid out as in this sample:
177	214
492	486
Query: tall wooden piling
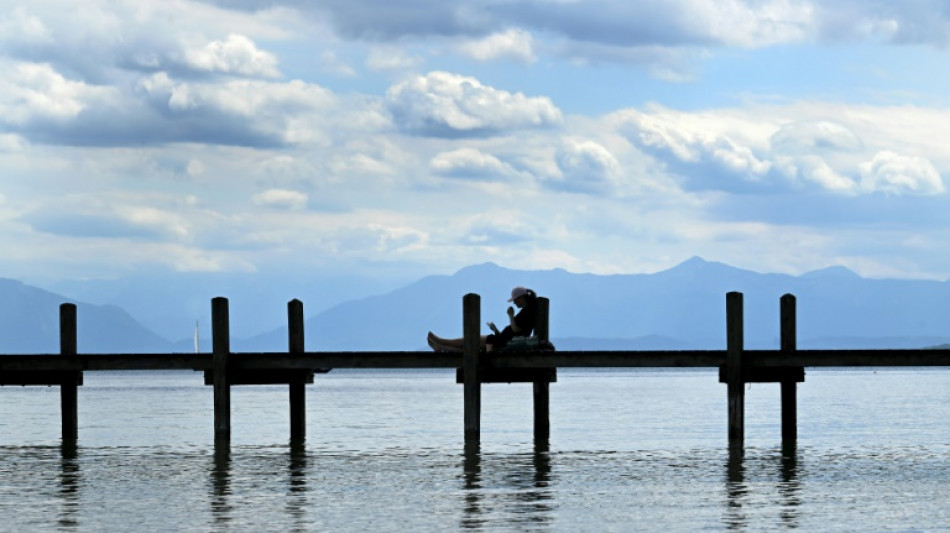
734	383
298	391
68	389
471	346
789	344
221	342
542	387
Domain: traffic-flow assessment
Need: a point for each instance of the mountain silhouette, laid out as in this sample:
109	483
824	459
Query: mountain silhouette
679	308
29	323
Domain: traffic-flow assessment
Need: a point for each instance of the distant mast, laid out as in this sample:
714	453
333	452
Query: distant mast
196	336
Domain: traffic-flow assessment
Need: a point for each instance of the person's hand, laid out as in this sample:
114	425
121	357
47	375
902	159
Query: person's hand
511	312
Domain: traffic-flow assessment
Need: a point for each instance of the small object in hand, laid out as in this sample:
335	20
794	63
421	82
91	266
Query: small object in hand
492	326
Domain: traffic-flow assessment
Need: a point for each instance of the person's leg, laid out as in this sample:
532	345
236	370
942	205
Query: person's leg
452	343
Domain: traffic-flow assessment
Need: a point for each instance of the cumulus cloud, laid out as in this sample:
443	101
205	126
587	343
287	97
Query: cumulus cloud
42	105
237	55
36	92
764	151
469	163
587	167
514	44
707	153
897	174
445	104
807	137
243	112
281	199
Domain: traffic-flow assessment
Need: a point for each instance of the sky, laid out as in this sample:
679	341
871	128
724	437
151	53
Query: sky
299	139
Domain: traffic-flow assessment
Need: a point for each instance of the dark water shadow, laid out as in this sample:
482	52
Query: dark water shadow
221	483
778	471
297	484
472	512
69	485
514	489
790	487
736	489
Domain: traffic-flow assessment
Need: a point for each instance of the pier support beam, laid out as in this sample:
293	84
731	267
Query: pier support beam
221	341
298	394
68	390
542	387
471	348
734	383
789	385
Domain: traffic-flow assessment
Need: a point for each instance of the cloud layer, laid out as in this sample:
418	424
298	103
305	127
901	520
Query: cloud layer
220	136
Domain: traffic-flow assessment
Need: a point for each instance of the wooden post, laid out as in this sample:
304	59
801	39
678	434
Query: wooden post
471	346
542	388
221	341
298	391
736	388
542	328
68	392
542	418
789	386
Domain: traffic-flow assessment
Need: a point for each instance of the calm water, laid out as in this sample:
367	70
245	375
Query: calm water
629	451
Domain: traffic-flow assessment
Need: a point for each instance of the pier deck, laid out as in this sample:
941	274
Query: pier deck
296	367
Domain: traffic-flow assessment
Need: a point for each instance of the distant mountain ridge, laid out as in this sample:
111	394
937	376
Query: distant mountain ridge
679	308
29	323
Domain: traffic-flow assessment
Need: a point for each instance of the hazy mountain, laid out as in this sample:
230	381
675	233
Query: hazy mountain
679	308
29	323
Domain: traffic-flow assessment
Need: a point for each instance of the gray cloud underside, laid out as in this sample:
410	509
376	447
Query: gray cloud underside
641	23
103	128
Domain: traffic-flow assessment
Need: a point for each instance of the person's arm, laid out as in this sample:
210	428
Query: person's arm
512	319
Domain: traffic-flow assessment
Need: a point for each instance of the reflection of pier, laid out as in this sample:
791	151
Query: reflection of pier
296	367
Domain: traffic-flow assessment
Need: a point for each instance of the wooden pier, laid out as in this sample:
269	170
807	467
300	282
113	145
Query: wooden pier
296	367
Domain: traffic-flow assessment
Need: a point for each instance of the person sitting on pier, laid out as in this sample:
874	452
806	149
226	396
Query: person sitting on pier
521	324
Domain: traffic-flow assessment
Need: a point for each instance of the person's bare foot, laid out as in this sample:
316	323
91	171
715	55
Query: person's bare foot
439	347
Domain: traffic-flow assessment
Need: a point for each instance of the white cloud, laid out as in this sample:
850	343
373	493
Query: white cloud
808	137
896	174
763	149
469	163
722	151
32	91
586	166
752	25
240	111
515	44
237	55
445	104
281	198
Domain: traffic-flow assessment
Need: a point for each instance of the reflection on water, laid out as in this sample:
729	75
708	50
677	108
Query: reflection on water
69	486
297	487
748	481
507	489
296	503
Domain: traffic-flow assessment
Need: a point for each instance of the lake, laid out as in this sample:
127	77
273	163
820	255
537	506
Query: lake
630	450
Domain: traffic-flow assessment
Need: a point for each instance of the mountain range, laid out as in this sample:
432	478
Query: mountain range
679	308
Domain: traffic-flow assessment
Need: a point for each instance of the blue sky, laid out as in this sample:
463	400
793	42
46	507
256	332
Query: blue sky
391	140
